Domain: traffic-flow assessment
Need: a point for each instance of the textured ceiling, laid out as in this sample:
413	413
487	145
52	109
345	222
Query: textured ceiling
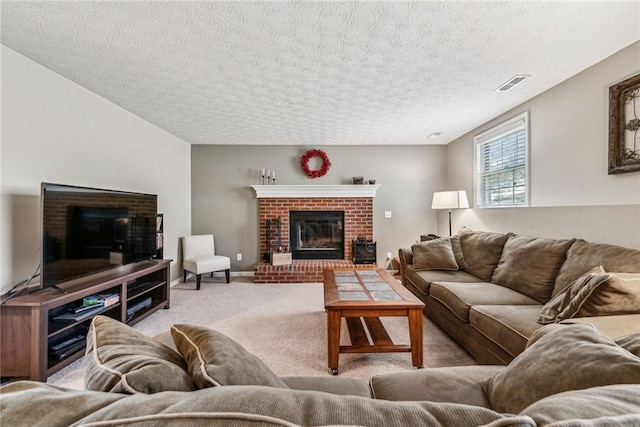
317	73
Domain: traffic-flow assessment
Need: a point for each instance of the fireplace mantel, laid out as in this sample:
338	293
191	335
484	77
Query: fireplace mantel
304	191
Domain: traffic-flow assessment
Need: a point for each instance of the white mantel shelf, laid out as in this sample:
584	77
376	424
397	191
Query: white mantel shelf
301	191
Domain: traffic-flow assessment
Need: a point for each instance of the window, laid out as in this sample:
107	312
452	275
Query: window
501	165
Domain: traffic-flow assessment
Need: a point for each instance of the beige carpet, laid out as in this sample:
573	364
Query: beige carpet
285	326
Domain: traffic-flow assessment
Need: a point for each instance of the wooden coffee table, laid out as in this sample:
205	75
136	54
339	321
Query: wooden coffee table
362	296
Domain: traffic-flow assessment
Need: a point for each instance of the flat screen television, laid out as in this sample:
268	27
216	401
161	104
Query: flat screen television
87	230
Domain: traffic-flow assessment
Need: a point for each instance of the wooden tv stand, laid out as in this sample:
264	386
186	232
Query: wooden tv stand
29	331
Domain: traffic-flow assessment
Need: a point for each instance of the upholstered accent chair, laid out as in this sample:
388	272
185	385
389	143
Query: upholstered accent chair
199	257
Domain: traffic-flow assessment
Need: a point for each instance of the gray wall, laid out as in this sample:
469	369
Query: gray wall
571	194
55	130
225	205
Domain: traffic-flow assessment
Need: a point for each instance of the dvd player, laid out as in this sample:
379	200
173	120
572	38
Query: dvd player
61	353
140	305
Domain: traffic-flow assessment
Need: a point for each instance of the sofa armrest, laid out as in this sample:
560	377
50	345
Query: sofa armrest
459	384
406	257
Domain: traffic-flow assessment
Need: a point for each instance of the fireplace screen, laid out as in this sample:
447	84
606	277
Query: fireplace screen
317	234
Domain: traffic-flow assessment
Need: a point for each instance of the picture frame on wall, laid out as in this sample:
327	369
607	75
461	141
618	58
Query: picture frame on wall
624	126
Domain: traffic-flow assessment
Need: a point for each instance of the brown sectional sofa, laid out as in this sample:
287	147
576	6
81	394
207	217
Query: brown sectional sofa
490	298
569	376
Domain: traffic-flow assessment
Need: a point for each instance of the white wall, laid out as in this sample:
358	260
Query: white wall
568	164
225	205
54	130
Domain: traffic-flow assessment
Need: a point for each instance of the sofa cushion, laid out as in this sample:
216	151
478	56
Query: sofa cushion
630	342
460	297
530	265
572	358
582	256
561	301
33	403
509	326
434	254
122	360
422	280
329	384
459	384
213	359
618	294
234	406
481	251
594	403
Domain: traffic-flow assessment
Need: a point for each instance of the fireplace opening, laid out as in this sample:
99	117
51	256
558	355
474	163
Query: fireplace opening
316	234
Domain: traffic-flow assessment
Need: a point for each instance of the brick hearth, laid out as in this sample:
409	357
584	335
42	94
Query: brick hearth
301	271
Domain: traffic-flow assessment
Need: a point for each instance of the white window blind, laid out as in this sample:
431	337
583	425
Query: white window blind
501	164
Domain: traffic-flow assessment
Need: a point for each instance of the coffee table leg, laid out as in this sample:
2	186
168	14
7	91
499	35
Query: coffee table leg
415	335
333	339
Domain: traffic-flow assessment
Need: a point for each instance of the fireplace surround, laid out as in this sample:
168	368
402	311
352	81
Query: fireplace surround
277	201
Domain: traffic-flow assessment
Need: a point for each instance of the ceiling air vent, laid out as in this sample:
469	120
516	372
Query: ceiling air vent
511	83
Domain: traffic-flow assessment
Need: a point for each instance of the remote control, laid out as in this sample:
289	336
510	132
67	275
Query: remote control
68	342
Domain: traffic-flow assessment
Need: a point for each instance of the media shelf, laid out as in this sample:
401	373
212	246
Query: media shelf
31	344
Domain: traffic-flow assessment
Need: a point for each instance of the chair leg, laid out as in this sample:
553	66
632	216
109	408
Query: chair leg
212	274
198	277
184	276
226	274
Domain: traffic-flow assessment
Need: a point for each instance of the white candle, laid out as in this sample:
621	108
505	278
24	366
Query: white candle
263	172
274	175
268	173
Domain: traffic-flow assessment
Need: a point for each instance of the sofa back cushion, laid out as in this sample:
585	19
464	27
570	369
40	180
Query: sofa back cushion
530	265
482	250
575	357
582	256
612	405
30	403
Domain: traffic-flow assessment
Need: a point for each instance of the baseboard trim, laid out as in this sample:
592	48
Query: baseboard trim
216	274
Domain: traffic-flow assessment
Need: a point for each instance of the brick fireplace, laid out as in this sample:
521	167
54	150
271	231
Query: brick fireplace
276	201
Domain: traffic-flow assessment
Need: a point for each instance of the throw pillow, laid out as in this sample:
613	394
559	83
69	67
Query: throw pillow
562	300
120	359
619	294
572	358
482	251
434	254
214	359
530	265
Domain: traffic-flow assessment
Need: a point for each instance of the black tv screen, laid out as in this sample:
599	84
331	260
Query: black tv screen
87	230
